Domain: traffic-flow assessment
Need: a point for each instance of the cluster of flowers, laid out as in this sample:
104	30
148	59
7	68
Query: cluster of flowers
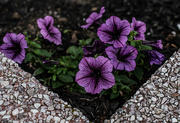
14	45
108	53
96	74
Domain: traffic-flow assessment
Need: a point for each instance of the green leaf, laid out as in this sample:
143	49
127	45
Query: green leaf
117	78
145	47
26	36
73	57
133	43
54	77
71	73
114	88
114	95
138	72
82	91
48	67
66	31
81	42
118	82
127	80
131	35
41	52
59	70
134	33
88	41
79	50
72	50
64	70
65	78
72	65
125	87
34	44
102	92
29	57
56	84
75	63
38	71
85	42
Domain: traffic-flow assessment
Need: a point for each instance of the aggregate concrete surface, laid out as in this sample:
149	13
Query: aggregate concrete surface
24	99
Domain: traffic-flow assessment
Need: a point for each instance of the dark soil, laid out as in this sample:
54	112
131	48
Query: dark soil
160	16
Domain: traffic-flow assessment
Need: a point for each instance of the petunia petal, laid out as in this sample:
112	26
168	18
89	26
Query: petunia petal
130	65
155	57
139	36
111	52
7	39
104	36
125	27
5	46
41	23
97	89
92	18
49	21
18	58
54	36
10	39
101	12
118	65
22	41
97	48
130	52
107	80
90	88
9	53
111	23
157	44
45	33
86	26
120	42
87	63
104	64
82	77
138	26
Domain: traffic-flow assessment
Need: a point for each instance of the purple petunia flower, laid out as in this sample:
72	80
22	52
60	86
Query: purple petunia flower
139	27
94	18
97	48
114	31
48	31
157	44
122	58
14	46
155	57
95	74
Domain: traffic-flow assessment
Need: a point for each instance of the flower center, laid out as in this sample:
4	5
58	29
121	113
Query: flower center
116	34
96	74
121	57
17	49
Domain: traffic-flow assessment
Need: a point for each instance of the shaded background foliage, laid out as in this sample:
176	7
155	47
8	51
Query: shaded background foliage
161	18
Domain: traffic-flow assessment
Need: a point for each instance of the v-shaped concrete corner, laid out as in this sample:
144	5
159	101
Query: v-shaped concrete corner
23	98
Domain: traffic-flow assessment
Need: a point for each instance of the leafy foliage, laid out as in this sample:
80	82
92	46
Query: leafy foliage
60	71
64	73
